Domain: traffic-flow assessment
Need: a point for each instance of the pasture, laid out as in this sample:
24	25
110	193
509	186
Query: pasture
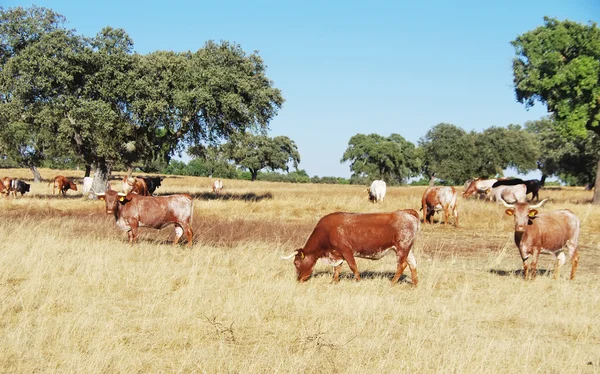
76	297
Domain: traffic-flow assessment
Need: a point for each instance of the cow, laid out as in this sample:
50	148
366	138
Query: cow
440	198
133	210
549	232
478	186
217	186
87	184
533	187
152	183
18	186
135	185
6	185
62	184
341	236
510	194
376	191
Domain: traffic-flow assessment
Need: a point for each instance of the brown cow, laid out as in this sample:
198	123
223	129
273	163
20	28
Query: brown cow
135	185
132	211
440	198
5	185
544	233
478	187
62	184
341	236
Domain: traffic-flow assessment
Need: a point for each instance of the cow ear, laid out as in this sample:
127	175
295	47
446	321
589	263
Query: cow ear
533	213
510	212
301	254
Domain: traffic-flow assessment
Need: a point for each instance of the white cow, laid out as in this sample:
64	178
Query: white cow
87	184
217	186
377	191
510	194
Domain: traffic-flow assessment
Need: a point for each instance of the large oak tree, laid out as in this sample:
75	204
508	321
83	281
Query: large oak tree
558	65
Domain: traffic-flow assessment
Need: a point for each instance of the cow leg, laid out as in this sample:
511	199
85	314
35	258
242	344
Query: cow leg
534	260
189	234
178	234
560	260
446	215
349	258
455	213
574	262
133	225
336	273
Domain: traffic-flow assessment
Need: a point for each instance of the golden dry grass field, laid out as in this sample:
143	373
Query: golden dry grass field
75	297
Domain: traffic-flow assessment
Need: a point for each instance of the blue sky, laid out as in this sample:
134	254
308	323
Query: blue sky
348	67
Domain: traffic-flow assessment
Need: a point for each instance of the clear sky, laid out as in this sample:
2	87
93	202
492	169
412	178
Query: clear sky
348	67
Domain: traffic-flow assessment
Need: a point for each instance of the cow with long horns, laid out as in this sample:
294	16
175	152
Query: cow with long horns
133	210
549	232
341	236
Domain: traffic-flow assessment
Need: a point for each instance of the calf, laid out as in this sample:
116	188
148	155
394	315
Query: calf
217	186
135	185
132	211
544	233
62	184
340	236
440	198
377	191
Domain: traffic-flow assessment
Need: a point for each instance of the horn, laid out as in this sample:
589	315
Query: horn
507	204
338	263
122	194
290	256
101	194
538	204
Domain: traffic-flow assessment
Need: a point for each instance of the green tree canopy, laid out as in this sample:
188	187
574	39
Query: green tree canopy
573	160
558	65
256	152
373	156
454	155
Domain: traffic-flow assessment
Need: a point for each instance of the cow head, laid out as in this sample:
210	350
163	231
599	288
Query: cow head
112	200
523	213
72	186
304	263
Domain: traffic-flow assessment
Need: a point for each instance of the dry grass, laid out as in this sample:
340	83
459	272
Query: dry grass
75	297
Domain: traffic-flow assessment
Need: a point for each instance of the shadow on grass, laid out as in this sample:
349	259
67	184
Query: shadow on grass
517	273
251	196
347	275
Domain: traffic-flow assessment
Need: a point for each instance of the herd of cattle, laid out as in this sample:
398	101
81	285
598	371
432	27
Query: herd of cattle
340	236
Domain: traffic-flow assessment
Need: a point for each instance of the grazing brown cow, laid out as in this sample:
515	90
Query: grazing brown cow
132	211
5	185
478	187
217	186
342	236
135	185
544	233
62	184
440	198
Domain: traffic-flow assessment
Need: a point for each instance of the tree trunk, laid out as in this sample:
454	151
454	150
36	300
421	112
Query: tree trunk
88	170
597	187
254	174
101	176
37	178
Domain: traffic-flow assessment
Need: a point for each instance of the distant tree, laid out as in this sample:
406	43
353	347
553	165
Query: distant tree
257	152
558	64
501	147
449	152
455	156
373	156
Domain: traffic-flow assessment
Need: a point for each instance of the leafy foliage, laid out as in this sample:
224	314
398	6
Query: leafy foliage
373	156
256	152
